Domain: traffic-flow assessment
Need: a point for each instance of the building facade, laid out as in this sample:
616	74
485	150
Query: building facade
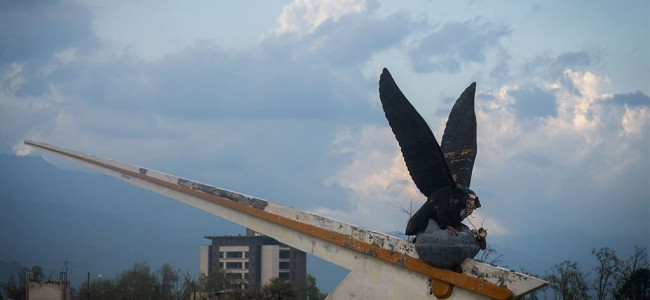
47	289
254	259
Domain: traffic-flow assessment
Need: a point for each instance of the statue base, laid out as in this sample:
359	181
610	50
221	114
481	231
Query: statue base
442	249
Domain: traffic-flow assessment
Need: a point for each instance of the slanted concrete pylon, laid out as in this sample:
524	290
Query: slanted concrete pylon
381	266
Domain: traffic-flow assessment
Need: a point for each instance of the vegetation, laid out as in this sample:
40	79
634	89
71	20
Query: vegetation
611	278
168	283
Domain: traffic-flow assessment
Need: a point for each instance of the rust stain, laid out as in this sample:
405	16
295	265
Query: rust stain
218	197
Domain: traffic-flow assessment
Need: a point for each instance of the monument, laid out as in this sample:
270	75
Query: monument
442	173
381	266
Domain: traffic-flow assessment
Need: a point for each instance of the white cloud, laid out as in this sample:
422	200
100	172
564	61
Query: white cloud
376	180
304	16
565	162
634	120
531	174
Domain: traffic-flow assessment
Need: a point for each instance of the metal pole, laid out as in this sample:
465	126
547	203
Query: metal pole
88	291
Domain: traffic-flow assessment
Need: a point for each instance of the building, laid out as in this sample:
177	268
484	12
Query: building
254	259
47	289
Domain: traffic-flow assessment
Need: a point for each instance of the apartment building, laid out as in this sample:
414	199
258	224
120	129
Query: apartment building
254	259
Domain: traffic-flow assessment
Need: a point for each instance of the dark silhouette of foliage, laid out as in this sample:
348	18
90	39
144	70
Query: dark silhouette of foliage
15	288
636	286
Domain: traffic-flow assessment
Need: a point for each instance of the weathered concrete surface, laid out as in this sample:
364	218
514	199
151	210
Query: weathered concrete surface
387	265
442	249
518	283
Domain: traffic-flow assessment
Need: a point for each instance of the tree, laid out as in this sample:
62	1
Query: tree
533	295
139	282
278	289
490	256
568	281
214	283
312	291
636	286
184	287
168	279
174	283
409	211
253	292
638	260
16	290
606	271
100	289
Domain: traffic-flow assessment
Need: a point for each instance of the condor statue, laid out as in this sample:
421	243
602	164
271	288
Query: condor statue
442	172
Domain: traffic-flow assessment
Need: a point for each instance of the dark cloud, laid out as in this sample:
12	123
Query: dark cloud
581	58
288	76
637	98
285	77
456	43
534	102
549	65
502	67
353	39
206	82
33	33
246	117
34	30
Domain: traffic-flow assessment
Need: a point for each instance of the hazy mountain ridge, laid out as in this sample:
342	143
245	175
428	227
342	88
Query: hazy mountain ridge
103	225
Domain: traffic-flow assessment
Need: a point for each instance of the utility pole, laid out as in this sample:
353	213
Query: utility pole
88	290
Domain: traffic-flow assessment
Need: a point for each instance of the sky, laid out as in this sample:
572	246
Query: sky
279	100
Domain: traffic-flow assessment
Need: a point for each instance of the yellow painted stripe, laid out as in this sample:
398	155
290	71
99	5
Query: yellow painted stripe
458	279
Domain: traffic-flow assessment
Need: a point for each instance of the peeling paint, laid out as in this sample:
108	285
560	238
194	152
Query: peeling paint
249	201
371	252
400	261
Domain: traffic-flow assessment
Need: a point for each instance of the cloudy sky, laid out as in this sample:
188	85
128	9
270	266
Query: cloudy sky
280	100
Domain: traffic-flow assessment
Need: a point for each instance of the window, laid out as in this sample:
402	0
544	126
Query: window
246	265
284	275
284	253
220	254
246	254
284	265
233	265
233	254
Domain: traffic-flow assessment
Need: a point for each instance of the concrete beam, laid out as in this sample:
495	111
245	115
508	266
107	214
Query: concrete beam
382	266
